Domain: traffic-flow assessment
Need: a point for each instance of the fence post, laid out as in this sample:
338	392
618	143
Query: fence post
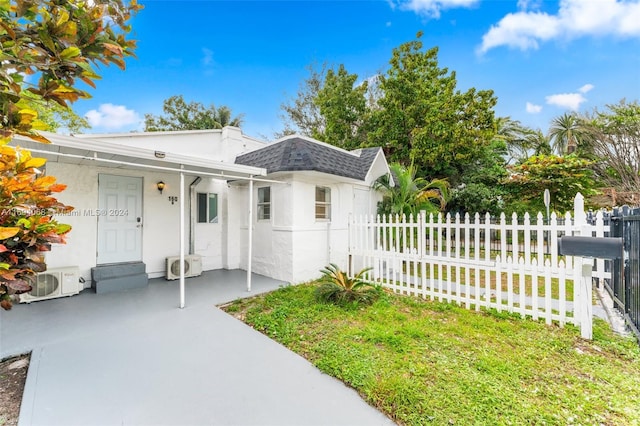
583	269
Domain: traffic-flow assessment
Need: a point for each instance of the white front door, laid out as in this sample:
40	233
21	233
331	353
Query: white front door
119	219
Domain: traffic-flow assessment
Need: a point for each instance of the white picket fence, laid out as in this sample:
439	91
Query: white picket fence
511	265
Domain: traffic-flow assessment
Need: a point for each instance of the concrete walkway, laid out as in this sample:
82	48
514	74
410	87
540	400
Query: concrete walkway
134	358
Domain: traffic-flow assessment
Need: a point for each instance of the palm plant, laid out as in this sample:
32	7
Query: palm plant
337	287
521	141
404	193
568	132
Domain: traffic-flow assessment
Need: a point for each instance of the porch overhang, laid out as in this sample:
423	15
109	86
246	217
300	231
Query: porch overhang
84	152
72	150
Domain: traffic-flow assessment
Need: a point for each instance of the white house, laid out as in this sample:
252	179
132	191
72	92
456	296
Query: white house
135	196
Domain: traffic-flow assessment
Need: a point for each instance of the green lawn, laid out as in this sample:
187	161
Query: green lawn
435	363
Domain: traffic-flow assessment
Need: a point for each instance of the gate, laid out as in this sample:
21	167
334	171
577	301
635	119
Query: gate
625	285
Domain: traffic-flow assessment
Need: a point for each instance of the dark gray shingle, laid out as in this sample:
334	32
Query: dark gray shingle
296	153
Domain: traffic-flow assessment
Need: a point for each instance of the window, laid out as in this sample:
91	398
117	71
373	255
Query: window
264	203
207	208
323	203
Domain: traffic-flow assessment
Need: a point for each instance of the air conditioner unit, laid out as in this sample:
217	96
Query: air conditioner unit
192	266
54	282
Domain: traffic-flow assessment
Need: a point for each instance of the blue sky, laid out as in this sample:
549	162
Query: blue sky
541	58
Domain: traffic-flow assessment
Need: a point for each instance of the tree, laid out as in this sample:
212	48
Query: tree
481	190
302	114
569	134
180	115
57	43
521	141
26	225
564	177
616	145
343	106
407	194
58	118
423	118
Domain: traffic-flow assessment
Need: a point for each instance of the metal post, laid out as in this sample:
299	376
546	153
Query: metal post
250	232
182	235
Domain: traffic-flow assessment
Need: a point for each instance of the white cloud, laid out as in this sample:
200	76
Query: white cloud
207	56
111	116
575	18
586	88
570	101
431	8
533	108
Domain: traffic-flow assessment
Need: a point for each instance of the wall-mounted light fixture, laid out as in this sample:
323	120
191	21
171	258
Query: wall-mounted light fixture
160	186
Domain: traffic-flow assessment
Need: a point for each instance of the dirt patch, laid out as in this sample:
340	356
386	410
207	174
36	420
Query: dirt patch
13	375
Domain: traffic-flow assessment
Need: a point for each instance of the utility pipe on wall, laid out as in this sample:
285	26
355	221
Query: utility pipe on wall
193	214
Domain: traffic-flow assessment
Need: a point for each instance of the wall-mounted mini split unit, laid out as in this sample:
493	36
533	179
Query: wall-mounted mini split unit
54	282
192	266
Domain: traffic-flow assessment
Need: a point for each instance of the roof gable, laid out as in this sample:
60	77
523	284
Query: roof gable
297	153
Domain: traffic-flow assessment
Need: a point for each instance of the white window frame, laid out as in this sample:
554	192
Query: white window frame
264	205
326	204
208	197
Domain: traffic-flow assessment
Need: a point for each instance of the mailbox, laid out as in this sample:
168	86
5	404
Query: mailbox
598	247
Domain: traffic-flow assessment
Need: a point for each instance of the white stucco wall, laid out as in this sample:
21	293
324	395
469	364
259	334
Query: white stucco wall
293	246
208	237
220	145
160	235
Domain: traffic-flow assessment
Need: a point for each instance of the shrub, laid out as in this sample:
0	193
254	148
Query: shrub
337	287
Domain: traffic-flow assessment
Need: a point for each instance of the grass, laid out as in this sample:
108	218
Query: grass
435	363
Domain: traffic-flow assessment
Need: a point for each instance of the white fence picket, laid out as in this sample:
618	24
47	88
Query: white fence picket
439	258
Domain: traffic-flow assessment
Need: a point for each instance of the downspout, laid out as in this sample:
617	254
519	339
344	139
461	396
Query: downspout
193	214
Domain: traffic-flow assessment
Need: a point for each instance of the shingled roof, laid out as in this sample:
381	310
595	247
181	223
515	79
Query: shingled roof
298	153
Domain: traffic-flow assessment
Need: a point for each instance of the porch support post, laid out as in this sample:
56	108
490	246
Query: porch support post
182	235
250	234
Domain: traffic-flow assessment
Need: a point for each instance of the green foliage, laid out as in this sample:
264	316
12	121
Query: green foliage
481	190
337	287
60	42
302	114
58	118
407	194
343	106
569	134
616	145
477	198
520	141
564	177
181	115
26	225
422	117
414	111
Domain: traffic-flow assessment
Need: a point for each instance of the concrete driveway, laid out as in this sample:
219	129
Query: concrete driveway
134	358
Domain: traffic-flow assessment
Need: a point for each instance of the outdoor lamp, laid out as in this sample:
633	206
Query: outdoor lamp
160	186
